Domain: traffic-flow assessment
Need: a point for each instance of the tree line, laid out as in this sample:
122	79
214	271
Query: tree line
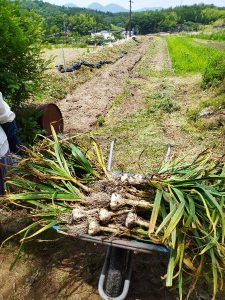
84	21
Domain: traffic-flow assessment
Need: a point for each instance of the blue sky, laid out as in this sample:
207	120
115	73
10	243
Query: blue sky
139	3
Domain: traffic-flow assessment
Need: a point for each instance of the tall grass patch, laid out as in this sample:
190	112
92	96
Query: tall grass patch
215	36
189	56
215	71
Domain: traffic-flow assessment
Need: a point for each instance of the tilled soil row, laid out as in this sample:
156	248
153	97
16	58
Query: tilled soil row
87	103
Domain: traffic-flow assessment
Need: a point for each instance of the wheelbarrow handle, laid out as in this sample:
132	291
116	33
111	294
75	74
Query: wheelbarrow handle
103	277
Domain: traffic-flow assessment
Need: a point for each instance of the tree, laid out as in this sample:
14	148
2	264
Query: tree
20	49
211	14
169	22
54	29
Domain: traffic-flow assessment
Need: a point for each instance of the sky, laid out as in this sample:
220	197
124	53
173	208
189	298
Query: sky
137	4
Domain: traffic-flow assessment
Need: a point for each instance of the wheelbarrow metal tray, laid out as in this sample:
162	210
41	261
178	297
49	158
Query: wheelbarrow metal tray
134	245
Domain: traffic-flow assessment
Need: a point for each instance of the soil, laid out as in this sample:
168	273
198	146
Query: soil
70	269
92	100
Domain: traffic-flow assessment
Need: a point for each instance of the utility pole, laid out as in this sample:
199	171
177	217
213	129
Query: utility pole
130	25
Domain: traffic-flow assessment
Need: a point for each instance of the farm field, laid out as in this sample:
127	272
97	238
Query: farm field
58	55
144	100
188	56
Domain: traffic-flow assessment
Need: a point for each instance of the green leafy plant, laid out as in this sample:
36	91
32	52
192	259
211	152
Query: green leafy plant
28	124
101	121
215	71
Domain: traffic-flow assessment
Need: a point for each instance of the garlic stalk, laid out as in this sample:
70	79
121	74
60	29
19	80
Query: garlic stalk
95	228
117	201
133	219
134	179
105	215
79	214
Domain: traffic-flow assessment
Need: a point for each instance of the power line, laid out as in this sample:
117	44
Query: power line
130	16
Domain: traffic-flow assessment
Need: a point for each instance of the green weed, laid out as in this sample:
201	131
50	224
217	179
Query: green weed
166	105
120	98
161	101
100	121
214	103
28	125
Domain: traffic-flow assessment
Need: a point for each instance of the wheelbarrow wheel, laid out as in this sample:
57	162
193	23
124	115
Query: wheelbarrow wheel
116	272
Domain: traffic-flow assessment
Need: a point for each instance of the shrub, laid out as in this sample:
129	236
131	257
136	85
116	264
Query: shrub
214	72
20	62
28	125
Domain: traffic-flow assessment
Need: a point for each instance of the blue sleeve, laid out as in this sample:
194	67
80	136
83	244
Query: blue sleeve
10	129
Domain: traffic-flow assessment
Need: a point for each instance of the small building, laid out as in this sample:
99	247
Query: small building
107	35
125	34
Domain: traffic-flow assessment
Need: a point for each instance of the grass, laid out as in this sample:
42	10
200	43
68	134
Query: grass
146	68
119	99
189	56
215	122
140	146
137	136
214	74
215	36
163	103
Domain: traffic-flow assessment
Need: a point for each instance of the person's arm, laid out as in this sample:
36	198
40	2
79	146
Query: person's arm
10	129
8	123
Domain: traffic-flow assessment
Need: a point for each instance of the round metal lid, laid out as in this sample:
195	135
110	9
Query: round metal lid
51	116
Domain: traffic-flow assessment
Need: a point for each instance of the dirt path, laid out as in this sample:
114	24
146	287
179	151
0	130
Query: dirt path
154	113
92	100
160	60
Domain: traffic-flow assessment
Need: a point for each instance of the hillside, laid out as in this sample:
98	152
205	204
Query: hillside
83	21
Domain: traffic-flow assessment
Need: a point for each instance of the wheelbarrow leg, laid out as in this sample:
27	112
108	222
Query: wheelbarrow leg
115	277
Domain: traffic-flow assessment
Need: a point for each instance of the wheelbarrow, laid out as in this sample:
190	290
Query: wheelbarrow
115	278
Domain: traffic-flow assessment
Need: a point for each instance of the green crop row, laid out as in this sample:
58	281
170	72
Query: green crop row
189	56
